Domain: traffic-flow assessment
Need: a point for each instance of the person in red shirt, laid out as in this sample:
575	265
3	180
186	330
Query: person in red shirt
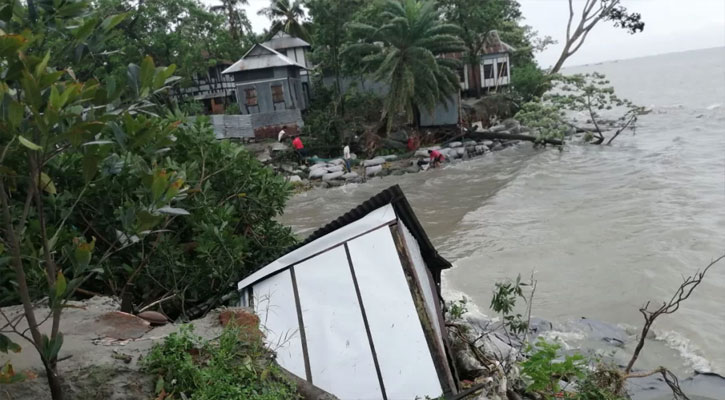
299	149
436	158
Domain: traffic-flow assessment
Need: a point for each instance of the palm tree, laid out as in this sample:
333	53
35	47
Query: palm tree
403	52
286	16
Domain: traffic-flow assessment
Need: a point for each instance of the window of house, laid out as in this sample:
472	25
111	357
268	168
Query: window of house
503	70
251	95
277	94
488	71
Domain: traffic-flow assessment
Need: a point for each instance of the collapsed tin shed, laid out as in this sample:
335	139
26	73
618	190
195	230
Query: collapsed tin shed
355	309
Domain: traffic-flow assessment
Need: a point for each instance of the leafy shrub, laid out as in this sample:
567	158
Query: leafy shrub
219	228
544	369
545	120
504	299
331	122
235	366
178	216
456	309
529	82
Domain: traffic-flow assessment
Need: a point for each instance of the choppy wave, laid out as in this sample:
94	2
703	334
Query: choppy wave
687	350
450	294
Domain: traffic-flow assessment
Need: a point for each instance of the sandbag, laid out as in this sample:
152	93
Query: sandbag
350	175
317	173
373	162
333	175
373	170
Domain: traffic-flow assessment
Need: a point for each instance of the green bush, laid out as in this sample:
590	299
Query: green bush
332	122
232	367
545	368
172	213
546	121
529	82
219	228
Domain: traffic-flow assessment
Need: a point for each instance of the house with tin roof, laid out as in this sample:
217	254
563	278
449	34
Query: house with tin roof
271	88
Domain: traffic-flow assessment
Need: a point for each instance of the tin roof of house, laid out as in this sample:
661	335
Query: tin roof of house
283	40
261	57
494	44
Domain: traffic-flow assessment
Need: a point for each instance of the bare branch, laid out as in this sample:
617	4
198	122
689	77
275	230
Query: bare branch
669	378
581	41
681	294
571	19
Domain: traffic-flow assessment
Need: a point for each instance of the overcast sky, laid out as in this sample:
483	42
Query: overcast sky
671	25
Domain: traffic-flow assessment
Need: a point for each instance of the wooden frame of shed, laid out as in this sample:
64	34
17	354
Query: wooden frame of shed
355	309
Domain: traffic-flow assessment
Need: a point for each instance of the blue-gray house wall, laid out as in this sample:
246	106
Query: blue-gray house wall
444	113
267	117
262	82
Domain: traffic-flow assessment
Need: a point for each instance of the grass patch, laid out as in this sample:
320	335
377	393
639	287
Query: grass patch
234	366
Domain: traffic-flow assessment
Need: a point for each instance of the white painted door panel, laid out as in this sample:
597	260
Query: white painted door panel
340	358
274	303
405	361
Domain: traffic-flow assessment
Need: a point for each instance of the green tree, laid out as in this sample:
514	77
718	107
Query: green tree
220	229
99	191
403	52
237	20
181	32
287	16
529	83
330	35
49	116
591	93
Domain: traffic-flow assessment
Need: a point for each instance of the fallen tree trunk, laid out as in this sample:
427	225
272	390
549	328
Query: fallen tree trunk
478	135
305	389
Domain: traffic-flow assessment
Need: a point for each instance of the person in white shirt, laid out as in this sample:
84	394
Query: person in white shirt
281	134
346	157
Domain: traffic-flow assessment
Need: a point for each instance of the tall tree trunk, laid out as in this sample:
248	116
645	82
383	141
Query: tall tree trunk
32	11
477	78
561	60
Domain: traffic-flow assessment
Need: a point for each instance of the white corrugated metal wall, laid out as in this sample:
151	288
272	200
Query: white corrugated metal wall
344	317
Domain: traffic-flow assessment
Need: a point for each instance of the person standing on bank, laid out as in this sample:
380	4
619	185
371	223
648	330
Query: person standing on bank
346	157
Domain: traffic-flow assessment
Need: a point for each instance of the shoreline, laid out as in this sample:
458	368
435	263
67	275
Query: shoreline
331	174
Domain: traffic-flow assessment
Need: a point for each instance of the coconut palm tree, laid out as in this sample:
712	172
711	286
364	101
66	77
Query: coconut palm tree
404	52
287	16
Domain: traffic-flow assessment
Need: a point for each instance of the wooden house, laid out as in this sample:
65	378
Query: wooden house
494	68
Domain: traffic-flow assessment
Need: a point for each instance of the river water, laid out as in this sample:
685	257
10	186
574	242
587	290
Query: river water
604	228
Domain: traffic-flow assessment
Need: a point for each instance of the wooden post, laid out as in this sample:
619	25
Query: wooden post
440	361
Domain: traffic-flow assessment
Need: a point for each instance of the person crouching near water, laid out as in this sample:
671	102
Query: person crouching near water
436	158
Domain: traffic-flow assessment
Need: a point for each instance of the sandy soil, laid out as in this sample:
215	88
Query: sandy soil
100	354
